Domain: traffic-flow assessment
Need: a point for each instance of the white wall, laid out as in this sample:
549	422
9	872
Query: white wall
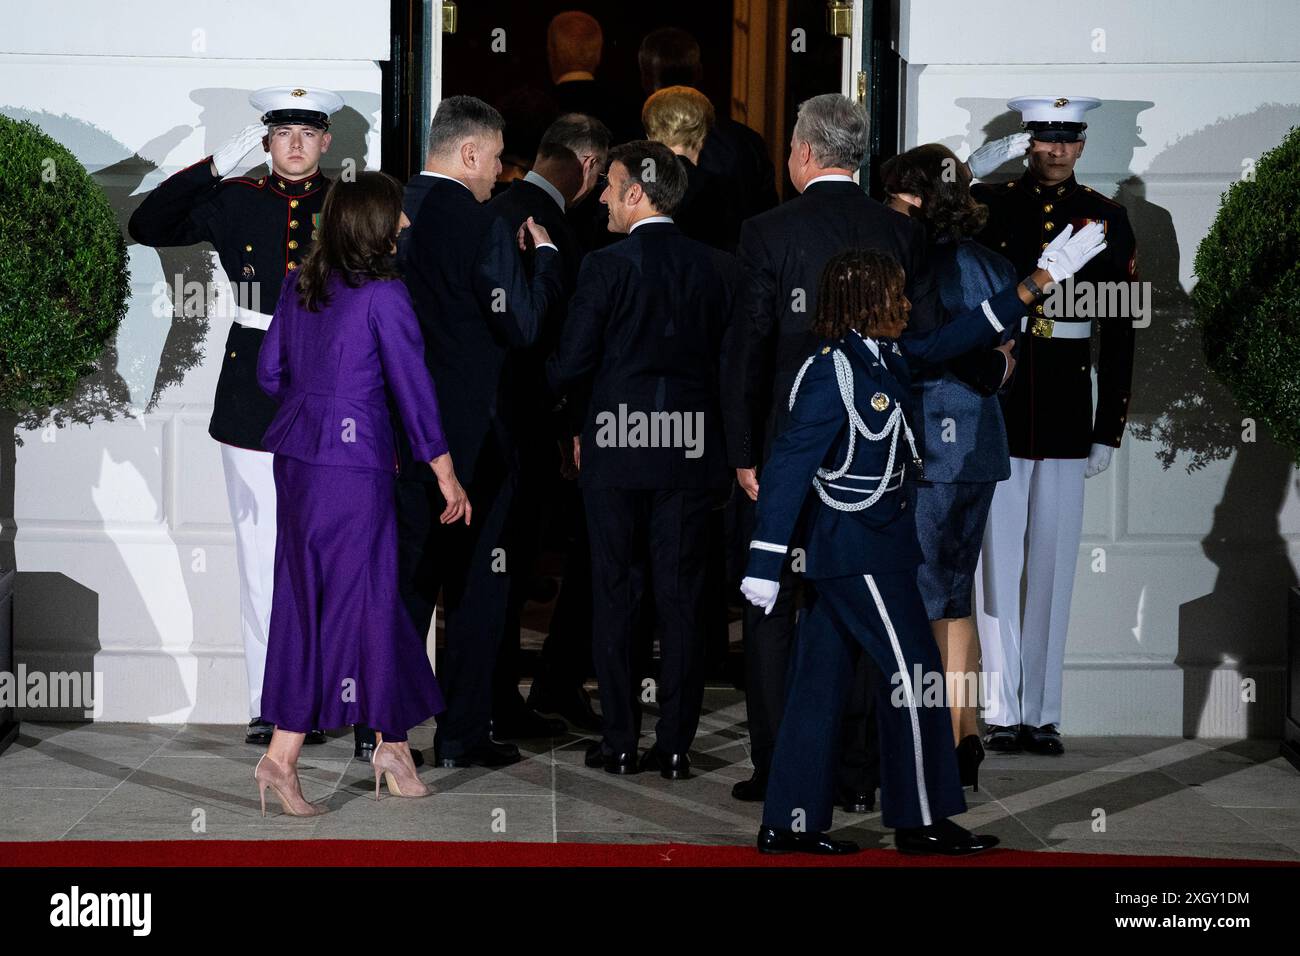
1196	565
123	534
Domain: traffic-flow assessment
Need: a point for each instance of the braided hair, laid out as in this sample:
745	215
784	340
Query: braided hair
859	288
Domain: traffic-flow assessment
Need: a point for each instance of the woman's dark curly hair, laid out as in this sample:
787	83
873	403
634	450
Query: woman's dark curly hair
859	289
941	181
358	224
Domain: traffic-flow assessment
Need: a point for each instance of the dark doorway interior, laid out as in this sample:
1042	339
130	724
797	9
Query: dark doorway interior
471	63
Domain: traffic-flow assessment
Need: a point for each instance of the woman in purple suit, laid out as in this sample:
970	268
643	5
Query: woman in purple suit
343	347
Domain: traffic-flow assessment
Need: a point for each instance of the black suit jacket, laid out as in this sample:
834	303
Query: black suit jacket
475	303
710	210
648	321
782	254
526	368
621	113
736	153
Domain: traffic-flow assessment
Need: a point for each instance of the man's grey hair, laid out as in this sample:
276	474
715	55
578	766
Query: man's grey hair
459	118
836	128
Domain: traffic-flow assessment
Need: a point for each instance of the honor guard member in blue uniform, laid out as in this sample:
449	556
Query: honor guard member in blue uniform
262	225
1054	437
835	487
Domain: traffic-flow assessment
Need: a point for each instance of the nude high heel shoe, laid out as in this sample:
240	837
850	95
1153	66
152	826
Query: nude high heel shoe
284	782
400	775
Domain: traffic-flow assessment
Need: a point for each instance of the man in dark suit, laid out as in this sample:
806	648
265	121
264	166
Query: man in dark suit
671	57
648	321
574	45
475	304
569	161
782	253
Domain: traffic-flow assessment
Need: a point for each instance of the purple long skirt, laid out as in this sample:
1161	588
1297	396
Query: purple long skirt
342	648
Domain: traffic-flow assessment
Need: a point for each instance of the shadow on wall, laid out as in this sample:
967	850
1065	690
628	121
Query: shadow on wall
1242	621
57	616
1181	406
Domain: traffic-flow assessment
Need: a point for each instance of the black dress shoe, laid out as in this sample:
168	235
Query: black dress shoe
525	723
314	737
259	731
857	801
944	837
1002	739
753	790
621	763
487	754
572	704
970	754
670	766
1044	740
772	840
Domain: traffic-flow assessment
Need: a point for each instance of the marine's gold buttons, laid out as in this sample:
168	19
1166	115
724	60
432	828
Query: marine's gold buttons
293	223
1047	207
291	266
293	204
248	248
232	354
1049	225
293	243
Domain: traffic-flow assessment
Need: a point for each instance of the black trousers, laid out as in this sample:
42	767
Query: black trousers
659	537
882	615
468	566
769	649
544	502
566	653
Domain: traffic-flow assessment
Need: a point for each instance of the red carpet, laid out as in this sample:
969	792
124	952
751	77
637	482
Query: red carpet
189	853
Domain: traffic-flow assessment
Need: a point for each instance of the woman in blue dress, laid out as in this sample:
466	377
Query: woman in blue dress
963	436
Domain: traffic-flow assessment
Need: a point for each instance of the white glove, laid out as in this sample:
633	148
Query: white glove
1098	460
992	155
760	592
227	157
1067	253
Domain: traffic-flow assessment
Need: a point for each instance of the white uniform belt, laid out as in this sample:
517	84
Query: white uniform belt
895	482
252	320
1054	329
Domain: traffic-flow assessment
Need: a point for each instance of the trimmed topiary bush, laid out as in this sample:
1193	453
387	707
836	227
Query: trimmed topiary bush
1247	297
64	281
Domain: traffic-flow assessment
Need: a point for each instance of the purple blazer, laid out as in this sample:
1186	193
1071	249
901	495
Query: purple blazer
332	372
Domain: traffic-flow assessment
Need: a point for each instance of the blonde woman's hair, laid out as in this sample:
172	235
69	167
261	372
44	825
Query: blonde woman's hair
678	116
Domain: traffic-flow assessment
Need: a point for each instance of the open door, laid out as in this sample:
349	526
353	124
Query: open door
870	75
412	81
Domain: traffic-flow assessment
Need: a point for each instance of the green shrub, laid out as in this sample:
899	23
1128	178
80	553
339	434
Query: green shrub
64	281
1247	298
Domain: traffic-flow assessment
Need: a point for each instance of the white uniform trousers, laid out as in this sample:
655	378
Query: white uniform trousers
1035	520
250	487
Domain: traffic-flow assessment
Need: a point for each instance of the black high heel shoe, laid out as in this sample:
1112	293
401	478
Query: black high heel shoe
970	754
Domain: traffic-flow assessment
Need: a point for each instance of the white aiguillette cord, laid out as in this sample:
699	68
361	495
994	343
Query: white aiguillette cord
896	421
